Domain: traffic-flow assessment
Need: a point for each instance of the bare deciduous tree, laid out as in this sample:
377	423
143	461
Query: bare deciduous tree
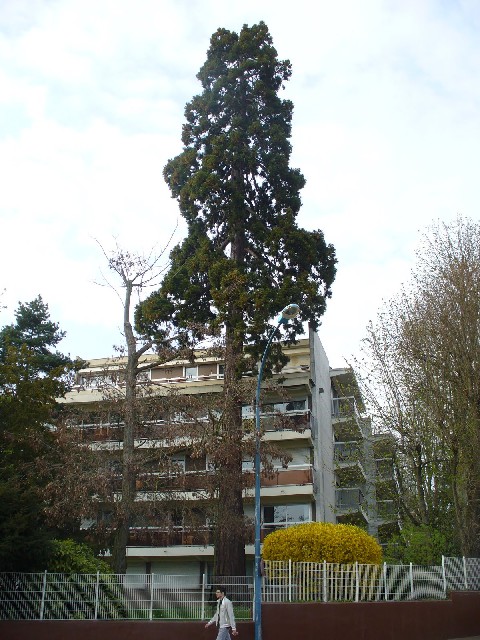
422	377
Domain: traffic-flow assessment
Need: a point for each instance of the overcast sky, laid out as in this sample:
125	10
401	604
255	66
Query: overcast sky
386	130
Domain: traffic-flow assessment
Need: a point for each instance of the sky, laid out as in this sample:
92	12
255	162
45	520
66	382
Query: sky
386	130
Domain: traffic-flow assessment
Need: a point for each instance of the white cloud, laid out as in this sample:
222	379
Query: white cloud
92	95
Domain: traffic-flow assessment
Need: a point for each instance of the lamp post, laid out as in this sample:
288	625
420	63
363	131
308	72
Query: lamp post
288	313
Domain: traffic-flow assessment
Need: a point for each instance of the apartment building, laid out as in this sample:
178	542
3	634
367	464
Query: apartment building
331	475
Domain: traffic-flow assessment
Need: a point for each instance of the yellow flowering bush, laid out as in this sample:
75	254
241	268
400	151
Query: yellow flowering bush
322	541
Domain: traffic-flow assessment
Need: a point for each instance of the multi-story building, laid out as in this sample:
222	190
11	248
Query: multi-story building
331	475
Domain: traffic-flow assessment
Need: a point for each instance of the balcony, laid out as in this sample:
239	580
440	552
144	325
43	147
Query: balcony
349	499
176	536
189	481
347	420
149	432
279	421
187	537
106	432
344	407
387	511
294	421
384	468
296	475
347	453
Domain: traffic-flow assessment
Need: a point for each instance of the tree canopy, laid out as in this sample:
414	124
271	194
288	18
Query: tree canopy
244	257
423	382
34	330
31	378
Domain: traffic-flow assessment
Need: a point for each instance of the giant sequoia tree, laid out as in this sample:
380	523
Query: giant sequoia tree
244	257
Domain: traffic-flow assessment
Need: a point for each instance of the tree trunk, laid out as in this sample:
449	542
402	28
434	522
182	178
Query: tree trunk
230	526
126	505
230	523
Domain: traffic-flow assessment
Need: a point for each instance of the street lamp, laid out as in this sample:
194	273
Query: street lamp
291	311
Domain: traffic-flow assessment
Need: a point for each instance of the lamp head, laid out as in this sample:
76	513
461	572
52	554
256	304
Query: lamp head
288	313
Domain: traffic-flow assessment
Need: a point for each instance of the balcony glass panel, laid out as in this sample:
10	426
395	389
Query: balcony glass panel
286	514
348	498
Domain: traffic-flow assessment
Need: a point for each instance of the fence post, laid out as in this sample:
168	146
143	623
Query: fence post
357	585
44	588
289	579
411	580
151	579
96	594
385	583
465	572
204	585
325	581
444	576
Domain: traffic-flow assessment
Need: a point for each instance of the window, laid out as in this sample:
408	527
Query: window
178	461
283	515
191	373
295	405
143	376
284	407
221	370
248	464
247	411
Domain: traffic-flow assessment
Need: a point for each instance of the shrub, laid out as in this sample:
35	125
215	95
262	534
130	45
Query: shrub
322	541
420	544
74	557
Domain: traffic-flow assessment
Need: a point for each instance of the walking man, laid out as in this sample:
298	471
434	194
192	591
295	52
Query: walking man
224	617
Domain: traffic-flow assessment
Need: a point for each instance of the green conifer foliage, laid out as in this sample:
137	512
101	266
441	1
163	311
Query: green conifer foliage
244	257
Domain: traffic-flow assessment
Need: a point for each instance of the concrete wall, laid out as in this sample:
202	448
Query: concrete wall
322	410
458	617
113	630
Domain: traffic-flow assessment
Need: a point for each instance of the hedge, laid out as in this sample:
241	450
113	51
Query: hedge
322	541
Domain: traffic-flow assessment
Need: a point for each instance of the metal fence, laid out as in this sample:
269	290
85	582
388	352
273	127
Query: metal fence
462	573
55	596
327	582
313	582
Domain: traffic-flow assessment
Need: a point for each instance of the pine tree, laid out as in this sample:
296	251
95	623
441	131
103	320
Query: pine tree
32	376
34	330
244	257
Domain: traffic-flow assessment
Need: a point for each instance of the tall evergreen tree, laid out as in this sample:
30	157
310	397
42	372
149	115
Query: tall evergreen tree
244	257
32	376
34	330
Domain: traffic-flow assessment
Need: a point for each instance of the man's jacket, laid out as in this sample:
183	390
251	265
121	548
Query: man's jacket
224	614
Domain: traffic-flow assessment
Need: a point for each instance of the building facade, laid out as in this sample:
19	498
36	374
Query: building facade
311	413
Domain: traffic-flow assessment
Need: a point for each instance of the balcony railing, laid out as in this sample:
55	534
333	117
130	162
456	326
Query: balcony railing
100	382
384	468
386	510
192	378
347	452
280	421
349	499
153	537
185	536
344	407
296	475
113	432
